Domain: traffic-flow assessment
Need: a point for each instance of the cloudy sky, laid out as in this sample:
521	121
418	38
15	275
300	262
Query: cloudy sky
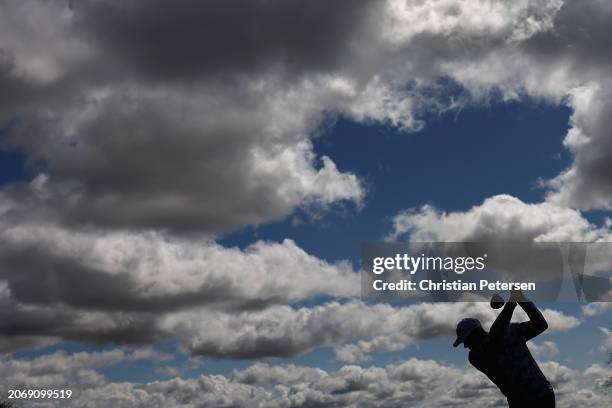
185	185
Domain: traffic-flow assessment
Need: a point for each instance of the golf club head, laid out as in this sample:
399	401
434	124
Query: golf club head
497	301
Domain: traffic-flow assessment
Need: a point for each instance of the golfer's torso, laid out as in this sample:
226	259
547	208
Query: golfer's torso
510	365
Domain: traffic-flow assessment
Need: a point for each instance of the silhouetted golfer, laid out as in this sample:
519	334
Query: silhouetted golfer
502	354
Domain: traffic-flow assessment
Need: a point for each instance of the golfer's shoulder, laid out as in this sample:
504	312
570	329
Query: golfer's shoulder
475	356
480	359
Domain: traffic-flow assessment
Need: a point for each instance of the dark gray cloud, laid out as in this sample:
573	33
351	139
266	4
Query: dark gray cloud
167	158
193	39
151	273
141	84
587	183
39	278
120	287
118	150
138	85
141	312
579	42
580	36
25	326
354	329
15	91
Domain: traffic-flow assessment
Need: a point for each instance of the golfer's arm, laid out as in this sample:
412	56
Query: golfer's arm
500	325
536	324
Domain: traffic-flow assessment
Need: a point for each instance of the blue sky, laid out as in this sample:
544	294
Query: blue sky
483	146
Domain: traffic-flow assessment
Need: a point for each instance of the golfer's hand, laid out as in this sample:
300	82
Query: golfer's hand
517	296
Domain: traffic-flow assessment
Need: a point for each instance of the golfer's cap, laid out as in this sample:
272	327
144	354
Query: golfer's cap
464	328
